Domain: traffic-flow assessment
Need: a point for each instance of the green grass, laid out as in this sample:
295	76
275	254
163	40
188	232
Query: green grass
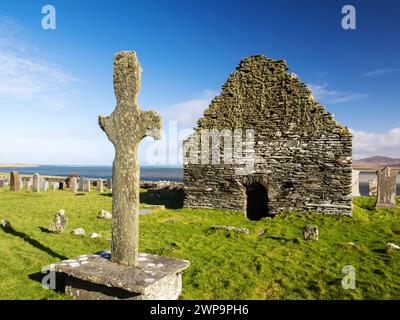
224	265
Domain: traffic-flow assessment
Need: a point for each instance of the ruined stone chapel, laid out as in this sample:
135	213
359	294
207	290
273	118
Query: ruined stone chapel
301	155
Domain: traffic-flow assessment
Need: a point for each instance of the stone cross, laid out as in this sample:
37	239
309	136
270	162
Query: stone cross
355	182
125	128
386	197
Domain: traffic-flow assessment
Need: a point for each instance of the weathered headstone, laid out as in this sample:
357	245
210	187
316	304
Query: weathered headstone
103	214
99	185
80	184
386	197
78	232
14	181
44	185
310	232
122	270
28	183
109	184
73	184
372	187
59	223
86	185
54	186
36	183
355	183
20	184
1	182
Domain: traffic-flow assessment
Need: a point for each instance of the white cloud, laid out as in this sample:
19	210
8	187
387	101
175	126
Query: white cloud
366	144
322	93
187	112
23	78
379	72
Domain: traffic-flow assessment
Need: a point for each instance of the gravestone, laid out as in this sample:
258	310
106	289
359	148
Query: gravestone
20	184
355	183
372	187
124	274
86	185
1	182
109	184
44	185
80	184
36	183
73	184
54	186
99	185
59	223
14	181
386	196
28	183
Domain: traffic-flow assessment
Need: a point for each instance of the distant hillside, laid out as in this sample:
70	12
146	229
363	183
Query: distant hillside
377	162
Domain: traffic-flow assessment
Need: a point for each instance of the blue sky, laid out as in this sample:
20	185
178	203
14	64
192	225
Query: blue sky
54	83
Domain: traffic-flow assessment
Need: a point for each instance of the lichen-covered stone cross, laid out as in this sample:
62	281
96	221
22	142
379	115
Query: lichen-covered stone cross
125	128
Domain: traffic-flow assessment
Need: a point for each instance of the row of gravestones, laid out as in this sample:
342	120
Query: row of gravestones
38	183
384	189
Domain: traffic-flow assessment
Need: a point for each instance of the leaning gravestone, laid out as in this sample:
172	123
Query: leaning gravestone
386	197
73	184
372	187
355	183
124	273
14	181
36	183
99	185
59	223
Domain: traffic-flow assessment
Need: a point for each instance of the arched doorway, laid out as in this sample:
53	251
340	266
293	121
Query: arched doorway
257	201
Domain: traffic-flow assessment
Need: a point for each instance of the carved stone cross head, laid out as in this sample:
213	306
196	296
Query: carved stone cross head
125	128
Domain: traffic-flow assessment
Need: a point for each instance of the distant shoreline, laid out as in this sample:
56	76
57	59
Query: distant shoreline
17	165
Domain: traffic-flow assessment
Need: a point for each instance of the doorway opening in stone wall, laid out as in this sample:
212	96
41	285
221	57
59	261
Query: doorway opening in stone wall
257	201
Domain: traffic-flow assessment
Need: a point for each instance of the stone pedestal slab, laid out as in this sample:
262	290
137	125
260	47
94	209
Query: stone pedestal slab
96	277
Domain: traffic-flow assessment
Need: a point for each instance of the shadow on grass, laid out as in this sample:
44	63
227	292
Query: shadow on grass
293	240
108	194
44	230
171	199
79	194
33	242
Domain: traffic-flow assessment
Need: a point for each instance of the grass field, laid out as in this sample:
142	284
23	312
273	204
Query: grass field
224	265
